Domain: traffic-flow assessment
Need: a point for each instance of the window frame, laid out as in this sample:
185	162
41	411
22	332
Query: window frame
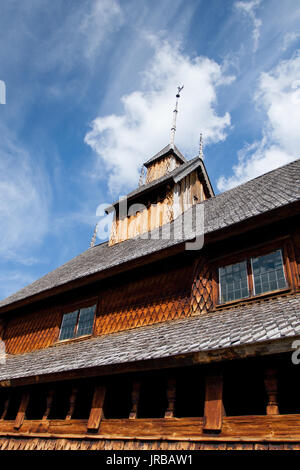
286	247
219	283
77	307
252	272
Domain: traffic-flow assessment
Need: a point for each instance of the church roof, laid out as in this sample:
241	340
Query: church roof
248	324
272	191
168	149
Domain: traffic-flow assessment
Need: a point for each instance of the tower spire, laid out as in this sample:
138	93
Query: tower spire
142	176
93	241
201	146
173	128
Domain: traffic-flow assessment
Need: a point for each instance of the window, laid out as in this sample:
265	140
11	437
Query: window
266	273
77	323
233	282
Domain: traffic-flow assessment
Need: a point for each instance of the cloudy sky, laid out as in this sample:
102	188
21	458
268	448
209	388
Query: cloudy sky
90	88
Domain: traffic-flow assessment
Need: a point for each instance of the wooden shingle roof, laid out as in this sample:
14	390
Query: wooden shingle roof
250	324
275	190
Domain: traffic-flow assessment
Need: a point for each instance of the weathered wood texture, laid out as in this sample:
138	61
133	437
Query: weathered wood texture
213	408
202	287
266	431
154	298
96	413
161	167
159	209
36	330
143	218
22	410
25	443
148	296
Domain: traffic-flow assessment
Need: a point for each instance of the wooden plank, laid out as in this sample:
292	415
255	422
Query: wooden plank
96	413
213	407
22	410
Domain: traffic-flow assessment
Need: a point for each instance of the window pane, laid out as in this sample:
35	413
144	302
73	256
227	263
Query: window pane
233	282
268	272
86	321
67	329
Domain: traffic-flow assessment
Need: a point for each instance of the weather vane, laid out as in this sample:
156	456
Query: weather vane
173	128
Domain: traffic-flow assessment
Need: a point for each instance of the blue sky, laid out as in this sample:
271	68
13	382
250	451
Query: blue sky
90	88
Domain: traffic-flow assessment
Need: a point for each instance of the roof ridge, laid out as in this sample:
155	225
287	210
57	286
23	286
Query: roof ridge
165	150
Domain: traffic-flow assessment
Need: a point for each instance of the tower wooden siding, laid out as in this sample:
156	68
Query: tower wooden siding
178	198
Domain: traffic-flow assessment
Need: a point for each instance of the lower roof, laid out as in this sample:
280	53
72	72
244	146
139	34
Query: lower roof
250	323
274	190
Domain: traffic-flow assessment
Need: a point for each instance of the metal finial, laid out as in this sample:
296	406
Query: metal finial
173	128
142	176
93	241
201	146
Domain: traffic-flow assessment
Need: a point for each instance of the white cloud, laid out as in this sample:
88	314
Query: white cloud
77	39
24	200
103	17
248	8
289	39
279	96
123	142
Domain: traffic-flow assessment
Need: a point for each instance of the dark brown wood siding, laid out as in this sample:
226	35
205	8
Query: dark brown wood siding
148	295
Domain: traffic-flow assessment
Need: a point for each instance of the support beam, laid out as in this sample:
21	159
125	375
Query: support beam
171	396
22	410
5	408
49	401
213	407
135	395
271	386
72	403
96	413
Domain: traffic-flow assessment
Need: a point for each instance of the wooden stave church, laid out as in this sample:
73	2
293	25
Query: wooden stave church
167	364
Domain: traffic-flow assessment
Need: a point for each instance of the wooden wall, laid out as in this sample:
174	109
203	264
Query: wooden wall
149	295
161	167
182	286
35	330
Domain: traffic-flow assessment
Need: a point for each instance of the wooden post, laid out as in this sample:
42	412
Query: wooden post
49	401
72	403
213	407
22	410
171	396
271	385
96	413
135	395
5	409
